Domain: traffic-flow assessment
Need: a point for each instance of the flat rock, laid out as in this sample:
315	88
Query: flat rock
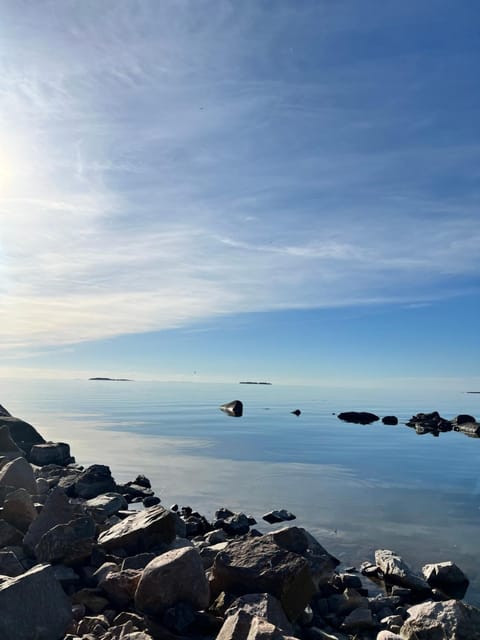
259	565
56	510
34	606
19	474
141	531
173	577
450	620
396	571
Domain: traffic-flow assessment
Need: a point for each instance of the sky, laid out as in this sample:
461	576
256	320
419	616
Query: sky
220	190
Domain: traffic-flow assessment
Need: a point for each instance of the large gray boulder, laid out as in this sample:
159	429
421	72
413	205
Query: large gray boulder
56	510
34	606
18	509
450	620
120	586
95	480
396	571
69	543
173	577
23	434
19	474
259	565
141	531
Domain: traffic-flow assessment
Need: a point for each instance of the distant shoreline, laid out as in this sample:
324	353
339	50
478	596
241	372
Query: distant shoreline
113	379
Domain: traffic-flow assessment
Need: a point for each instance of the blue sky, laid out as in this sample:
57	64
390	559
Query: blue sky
242	189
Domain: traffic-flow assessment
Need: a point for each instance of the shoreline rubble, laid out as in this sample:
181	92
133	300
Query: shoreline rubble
76	563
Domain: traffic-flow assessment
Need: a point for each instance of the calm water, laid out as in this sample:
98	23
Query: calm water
356	488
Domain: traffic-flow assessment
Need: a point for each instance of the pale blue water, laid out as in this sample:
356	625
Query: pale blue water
357	488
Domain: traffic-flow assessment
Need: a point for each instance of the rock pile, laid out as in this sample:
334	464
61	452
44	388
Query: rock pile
76	563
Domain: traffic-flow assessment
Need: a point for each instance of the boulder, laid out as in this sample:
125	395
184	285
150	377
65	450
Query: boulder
429	422
139	561
50	453
396	571
242	626
70	543
95	480
233	408
120	587
447	577
259	565
19	474
141	531
18	509
263	605
390	420
358	417
173	577
34	606
463	418
278	515
106	505
450	620
22	433
56	510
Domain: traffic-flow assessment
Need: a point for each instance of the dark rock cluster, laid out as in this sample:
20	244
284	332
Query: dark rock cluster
85	558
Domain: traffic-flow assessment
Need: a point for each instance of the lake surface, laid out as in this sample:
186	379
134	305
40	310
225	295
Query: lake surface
356	488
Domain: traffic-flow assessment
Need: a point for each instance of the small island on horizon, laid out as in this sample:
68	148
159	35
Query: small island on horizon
252	382
113	379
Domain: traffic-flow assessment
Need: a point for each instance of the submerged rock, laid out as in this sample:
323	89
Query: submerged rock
233	408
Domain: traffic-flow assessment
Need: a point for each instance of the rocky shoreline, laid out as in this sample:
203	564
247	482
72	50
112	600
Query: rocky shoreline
83	557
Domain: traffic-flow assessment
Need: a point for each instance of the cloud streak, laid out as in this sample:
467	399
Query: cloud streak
164	164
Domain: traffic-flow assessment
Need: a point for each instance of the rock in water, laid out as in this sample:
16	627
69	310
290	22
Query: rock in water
447	577
173	577
34	606
358	417
396	571
233	408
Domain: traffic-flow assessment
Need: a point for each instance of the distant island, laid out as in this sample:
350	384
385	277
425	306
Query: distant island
250	382
113	379
472	391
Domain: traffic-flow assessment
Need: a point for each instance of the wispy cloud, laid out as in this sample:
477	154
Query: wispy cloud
164	163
